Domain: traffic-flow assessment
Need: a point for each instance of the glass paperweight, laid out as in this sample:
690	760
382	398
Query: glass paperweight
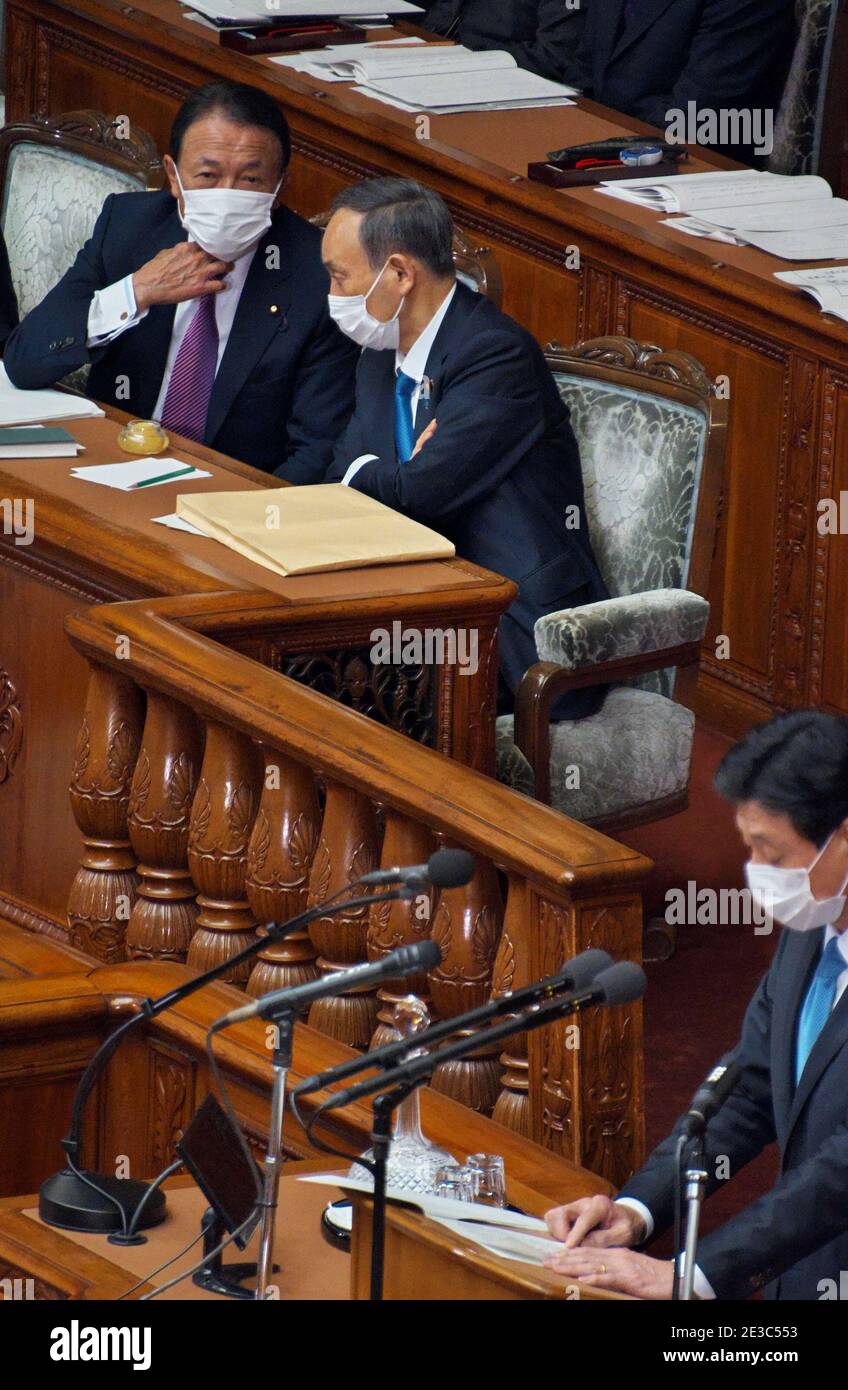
413	1160
143	437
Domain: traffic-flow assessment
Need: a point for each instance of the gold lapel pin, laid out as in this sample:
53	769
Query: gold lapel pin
274	309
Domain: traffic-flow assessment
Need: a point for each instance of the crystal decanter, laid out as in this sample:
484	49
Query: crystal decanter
413	1160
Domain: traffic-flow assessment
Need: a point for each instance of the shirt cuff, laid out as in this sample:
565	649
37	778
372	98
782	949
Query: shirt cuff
355	467
701	1286
641	1210
112	312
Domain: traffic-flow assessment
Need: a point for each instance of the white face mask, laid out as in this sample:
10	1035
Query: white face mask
787	896
226	222
350	312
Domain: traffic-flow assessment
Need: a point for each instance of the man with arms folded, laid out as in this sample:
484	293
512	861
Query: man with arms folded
458	422
789	780
205	305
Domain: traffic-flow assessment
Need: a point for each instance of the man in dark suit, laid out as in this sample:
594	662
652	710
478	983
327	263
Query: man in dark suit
205	306
458	422
8	299
649	57
789	780
538	33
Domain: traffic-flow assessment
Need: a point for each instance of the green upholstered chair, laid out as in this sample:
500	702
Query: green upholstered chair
651	432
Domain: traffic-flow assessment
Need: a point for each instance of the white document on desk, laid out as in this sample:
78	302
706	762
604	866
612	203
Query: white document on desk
828	286
493	89
34	407
309	62
742	188
126	477
253	11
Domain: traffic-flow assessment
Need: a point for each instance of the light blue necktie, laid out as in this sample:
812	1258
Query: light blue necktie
818	1002
404	427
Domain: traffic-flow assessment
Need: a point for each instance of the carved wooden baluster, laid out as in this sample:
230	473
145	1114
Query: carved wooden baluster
279	857
348	847
511	972
225	805
103	891
466	927
164	917
401	923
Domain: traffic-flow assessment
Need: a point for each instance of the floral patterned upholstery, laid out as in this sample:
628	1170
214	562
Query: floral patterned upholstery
51	201
797	133
642	457
633	752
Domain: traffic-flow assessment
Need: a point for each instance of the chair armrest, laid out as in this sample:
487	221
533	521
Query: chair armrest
600	643
616	629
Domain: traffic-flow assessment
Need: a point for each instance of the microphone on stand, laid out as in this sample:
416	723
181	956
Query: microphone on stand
397	965
574	975
620	983
710	1097
447	868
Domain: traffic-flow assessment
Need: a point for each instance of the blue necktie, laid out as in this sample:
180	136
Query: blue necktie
818	1002
404	427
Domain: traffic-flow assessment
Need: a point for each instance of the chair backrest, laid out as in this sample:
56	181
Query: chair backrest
811	121
476	266
55	175
652	436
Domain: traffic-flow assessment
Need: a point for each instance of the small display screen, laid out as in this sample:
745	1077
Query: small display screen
213	1154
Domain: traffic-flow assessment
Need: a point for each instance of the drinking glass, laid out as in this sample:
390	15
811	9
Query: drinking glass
457	1181
491	1180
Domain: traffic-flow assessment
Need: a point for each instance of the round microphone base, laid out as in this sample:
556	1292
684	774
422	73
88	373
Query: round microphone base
66	1201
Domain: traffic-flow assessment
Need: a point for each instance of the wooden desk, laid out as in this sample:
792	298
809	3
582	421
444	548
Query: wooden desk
780	589
93	544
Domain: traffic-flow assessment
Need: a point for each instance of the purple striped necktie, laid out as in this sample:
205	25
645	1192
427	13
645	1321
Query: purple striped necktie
193	374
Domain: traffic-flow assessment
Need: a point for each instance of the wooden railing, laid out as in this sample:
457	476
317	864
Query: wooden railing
214	795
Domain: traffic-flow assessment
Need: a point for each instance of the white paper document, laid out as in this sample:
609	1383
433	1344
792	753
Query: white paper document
473	1214
309	62
127	477
828	286
742	188
255	12
178	523
35	407
486	89
501	1240
371	62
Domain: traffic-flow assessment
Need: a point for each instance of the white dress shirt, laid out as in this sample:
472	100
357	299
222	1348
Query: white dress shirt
701	1285
114	311
412	364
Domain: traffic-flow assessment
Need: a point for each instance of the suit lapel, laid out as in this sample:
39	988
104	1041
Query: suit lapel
262	312
802	952
647	14
832	1037
450	330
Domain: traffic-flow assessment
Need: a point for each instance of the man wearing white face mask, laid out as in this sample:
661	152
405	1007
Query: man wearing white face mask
204	306
789	780
458	422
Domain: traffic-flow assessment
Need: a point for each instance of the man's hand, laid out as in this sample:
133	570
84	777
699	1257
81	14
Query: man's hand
184	271
423	437
597	1222
623	1271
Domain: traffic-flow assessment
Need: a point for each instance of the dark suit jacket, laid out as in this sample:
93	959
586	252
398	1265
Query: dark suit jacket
538	33
284	390
797	1234
8	300
498	475
717	53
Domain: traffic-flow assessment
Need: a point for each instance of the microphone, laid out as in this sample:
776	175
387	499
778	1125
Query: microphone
406	960
446	868
574	975
620	983
710	1097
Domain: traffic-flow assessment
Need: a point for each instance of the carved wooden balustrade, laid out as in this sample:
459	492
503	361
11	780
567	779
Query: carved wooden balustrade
215	795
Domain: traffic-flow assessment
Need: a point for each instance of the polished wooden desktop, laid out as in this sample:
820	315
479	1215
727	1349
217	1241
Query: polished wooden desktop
91	544
780	589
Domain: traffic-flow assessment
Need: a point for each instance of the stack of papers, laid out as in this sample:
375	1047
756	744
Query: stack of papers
37	442
440	78
226	12
828	286
140	473
796	218
320	64
306	530
32	407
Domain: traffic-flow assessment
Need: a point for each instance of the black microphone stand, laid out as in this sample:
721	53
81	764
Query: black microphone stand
99	1203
